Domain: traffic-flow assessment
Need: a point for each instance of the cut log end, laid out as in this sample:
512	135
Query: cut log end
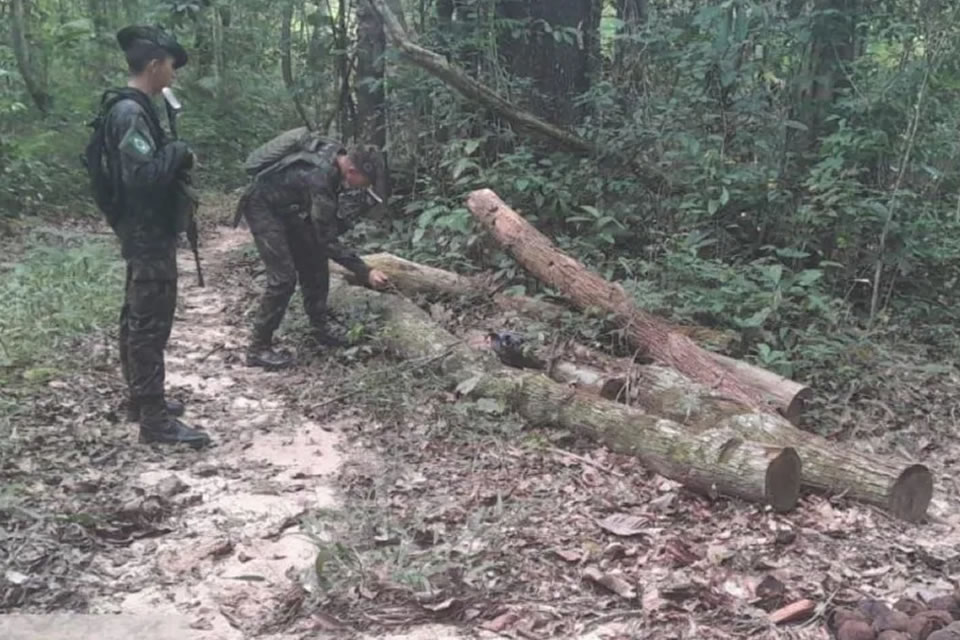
784	477
798	405
911	493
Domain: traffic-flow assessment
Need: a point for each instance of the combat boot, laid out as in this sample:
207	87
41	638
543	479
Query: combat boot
268	358
322	335
156	425
174	407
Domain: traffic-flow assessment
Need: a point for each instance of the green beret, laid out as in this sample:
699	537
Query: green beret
128	36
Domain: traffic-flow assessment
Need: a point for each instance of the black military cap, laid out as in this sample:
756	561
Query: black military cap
128	36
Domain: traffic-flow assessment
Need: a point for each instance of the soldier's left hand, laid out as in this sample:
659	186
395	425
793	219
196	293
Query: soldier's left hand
378	279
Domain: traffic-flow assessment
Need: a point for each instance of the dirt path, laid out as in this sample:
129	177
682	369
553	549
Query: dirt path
226	565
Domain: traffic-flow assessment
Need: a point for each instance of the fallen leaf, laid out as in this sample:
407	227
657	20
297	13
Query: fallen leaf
799	610
569	555
501	622
440	606
622	524
15	577
611	581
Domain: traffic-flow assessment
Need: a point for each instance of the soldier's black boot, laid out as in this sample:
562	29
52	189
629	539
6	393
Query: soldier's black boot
260	354
322	335
156	425
174	407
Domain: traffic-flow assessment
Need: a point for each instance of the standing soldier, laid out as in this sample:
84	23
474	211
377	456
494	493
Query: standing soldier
292	210
146	172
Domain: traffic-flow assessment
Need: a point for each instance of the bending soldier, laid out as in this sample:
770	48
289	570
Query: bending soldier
292	211
146	167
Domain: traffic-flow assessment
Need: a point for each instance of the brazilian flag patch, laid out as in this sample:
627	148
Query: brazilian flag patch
137	143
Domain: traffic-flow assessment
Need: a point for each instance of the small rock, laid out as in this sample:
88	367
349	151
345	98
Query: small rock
945	603
839	615
855	630
891	620
926	622
909	606
873	608
893	635
171	486
944	634
785	537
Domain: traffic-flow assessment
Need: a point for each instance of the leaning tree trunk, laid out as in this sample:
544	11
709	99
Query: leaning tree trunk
32	77
586	289
715	461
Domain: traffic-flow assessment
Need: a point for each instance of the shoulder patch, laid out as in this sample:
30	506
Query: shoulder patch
137	143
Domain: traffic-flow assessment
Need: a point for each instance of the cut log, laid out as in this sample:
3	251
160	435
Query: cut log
901	487
536	253
790	397
714	461
413	278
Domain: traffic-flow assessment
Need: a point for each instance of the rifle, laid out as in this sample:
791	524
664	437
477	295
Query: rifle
174	107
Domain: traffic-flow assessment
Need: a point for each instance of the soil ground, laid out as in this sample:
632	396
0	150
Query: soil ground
351	496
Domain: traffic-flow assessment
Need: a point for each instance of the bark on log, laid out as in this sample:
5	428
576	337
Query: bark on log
901	487
536	253
714	461
413	278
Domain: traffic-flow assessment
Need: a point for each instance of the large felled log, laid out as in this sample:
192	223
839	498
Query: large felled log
413	278
536	253
903	488
714	461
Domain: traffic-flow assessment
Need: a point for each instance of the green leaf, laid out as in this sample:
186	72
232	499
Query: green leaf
712	206
466	387
724	197
793	124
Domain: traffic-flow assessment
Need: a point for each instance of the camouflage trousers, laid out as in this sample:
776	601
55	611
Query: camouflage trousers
291	252
146	321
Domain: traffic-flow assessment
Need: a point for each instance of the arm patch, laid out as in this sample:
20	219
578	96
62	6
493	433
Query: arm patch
138	144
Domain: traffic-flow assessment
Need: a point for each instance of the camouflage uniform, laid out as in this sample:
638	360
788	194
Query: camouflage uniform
148	239
150	167
293	215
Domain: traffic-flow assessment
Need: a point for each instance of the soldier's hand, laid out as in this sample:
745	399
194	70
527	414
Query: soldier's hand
377	279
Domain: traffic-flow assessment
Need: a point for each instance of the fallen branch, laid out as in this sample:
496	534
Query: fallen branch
716	461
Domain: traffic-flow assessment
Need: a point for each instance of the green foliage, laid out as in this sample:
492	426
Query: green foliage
54	295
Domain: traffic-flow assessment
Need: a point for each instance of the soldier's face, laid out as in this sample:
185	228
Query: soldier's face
162	73
356	180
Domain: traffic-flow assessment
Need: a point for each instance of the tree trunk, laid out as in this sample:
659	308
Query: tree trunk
716	462
586	289
286	65
554	49
371	96
32	77
440	67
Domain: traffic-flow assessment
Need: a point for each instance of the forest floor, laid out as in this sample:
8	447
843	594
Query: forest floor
352	496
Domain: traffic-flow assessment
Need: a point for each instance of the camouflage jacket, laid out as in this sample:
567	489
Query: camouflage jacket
311	190
149	167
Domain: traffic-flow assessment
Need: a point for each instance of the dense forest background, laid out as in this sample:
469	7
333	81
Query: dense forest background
786	170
